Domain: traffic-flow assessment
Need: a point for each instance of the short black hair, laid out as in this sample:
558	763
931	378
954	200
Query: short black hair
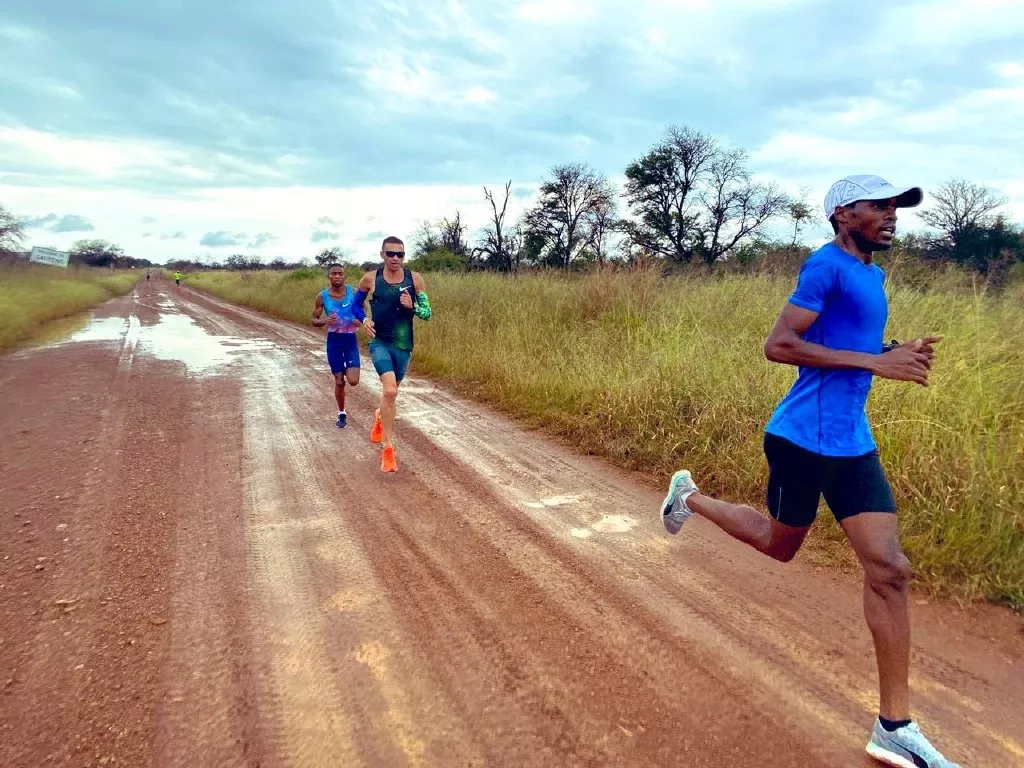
334	264
832	218
393	240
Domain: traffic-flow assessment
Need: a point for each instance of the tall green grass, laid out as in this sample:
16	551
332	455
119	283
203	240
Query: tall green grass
31	295
660	373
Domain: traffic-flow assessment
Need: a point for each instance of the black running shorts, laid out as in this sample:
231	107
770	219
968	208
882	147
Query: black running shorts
797	478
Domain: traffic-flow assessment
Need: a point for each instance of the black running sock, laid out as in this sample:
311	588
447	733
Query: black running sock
892	725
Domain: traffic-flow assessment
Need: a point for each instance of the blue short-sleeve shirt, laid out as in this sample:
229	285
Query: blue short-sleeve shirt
824	411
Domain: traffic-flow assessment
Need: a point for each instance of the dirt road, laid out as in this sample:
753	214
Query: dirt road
199	569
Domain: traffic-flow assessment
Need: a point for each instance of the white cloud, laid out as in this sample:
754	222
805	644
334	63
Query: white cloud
20	34
934	24
231	217
1010	69
555	11
285	122
480	95
109	159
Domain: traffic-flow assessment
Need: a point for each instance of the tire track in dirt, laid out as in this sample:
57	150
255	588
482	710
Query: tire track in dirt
340	698
208	683
812	667
499	601
805	647
557	738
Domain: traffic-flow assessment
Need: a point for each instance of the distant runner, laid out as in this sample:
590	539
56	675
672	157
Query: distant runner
397	295
177	278
818	441
343	320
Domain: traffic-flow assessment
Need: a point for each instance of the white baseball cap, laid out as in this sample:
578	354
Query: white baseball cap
868	187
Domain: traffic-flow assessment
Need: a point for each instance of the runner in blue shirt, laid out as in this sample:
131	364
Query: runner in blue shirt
818	441
343	318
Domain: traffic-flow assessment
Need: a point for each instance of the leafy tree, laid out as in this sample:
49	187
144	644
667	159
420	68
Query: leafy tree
97	253
571	204
439	260
692	198
329	256
445	234
989	247
11	231
801	214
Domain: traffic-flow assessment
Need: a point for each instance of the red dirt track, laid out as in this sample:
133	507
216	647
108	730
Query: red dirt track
198	569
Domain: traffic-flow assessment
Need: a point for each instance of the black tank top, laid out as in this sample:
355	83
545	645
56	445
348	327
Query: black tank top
392	321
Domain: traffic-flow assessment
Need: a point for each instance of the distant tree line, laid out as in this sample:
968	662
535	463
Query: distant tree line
691	200
687	200
90	253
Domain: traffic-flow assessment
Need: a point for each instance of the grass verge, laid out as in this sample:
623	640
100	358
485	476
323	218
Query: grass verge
656	374
31	295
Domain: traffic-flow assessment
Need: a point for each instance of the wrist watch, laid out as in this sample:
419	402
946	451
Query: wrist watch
890	346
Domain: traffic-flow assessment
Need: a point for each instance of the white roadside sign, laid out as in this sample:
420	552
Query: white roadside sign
42	255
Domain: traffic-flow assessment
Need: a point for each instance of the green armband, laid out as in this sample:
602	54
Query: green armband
422	306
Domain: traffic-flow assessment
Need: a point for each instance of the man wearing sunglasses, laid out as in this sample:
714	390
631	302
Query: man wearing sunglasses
397	295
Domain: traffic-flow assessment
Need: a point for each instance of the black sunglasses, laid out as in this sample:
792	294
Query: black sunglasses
396	254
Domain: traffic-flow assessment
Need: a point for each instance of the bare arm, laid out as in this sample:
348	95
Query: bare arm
362	290
318	310
907	362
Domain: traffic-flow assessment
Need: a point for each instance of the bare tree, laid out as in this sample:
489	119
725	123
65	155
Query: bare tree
11	231
604	223
736	206
961	207
500	243
564	215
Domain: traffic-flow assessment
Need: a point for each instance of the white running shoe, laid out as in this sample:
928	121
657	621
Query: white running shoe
905	747
674	511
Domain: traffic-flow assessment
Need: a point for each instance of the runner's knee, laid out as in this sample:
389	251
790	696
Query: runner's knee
888	569
390	390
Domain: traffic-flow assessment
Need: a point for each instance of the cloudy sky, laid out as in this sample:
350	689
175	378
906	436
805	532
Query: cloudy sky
187	128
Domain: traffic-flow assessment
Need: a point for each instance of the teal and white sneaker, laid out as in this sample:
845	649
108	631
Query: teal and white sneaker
905	747
674	511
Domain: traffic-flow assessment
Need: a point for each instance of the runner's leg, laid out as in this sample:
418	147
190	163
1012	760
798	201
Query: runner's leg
352	361
399	363
875	539
388	405
339	390
768	536
793	495
858	493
